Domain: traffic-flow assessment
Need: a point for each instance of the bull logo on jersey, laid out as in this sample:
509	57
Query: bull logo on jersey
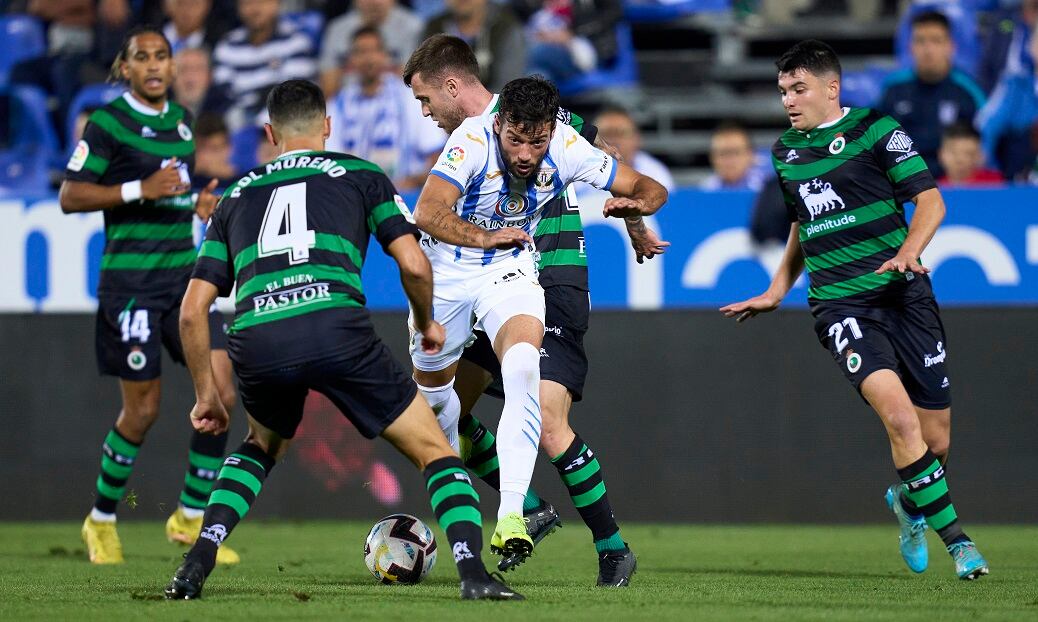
820	197
511	205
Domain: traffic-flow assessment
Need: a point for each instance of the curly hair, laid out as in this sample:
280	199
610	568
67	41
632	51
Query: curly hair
529	102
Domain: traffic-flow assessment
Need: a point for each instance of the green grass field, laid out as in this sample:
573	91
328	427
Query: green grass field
315	571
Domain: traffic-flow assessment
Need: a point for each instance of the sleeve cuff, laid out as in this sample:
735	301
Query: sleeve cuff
612	175
453	181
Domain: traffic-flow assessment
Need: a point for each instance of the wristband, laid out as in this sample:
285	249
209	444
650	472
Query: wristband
131	191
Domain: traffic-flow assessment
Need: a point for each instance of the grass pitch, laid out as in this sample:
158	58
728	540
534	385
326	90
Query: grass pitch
315	571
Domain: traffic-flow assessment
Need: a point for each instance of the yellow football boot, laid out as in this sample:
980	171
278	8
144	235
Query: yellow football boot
510	537
184	530
102	542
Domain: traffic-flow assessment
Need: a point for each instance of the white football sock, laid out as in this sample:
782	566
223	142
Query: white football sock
519	432
98	516
447	407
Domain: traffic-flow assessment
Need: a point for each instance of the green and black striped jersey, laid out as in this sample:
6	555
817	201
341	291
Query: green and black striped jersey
559	238
149	246
846	183
290	237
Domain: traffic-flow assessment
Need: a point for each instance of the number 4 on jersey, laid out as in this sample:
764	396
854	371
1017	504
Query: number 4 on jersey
284	225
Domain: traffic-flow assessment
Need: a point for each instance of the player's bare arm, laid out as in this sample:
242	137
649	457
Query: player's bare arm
634	194
416	277
434	215
82	196
786	275
929	212
208	415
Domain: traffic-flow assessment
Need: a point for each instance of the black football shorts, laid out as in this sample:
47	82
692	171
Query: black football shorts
367	385
908	340
563	359
130	333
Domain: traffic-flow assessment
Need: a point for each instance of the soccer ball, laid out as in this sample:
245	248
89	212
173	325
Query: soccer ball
400	549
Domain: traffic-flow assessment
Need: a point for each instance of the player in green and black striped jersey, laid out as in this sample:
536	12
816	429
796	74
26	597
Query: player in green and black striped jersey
290	239
134	163
443	75
846	174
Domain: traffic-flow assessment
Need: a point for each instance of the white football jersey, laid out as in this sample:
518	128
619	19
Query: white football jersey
492	198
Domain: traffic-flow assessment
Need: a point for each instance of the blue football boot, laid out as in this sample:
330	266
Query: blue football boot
912	540
969	563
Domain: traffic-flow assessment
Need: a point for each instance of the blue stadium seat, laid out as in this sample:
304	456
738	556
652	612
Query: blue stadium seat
244	143
21	38
90	96
963	18
24	172
623	72
667	10
310	22
29	123
862	89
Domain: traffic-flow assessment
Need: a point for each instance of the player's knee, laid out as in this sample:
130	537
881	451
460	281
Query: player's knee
903	425
522	361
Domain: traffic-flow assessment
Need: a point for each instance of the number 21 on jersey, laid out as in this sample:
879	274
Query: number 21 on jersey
284	228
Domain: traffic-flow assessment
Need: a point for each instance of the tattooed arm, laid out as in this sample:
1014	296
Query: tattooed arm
434	215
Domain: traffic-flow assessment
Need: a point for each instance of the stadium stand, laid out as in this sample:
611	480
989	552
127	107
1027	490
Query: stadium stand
22	38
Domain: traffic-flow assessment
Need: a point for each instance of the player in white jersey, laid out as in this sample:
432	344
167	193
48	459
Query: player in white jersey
478	211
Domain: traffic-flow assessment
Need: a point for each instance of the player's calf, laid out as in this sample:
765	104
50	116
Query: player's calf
237	485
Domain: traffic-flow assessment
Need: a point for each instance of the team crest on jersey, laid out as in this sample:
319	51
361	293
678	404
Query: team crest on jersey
838	144
899	142
819	197
543	181
511	205
184	131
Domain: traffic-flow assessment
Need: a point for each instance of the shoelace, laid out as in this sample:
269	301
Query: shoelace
612	560
918	529
960	550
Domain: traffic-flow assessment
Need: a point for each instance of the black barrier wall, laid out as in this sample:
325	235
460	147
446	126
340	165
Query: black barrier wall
693	417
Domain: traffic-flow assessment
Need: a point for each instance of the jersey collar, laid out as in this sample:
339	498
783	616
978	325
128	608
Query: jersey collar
492	106
834	122
294	152
141	108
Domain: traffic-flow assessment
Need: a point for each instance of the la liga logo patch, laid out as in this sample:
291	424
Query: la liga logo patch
455	154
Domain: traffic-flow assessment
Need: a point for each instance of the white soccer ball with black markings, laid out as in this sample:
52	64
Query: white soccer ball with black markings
400	549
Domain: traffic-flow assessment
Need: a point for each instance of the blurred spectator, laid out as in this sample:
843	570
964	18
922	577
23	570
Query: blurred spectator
616	127
1005	45
70	43
933	94
191	83
493	32
569	37
1009	121
252	59
212	152
376	117
400	28
731	158
188	25
963	159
